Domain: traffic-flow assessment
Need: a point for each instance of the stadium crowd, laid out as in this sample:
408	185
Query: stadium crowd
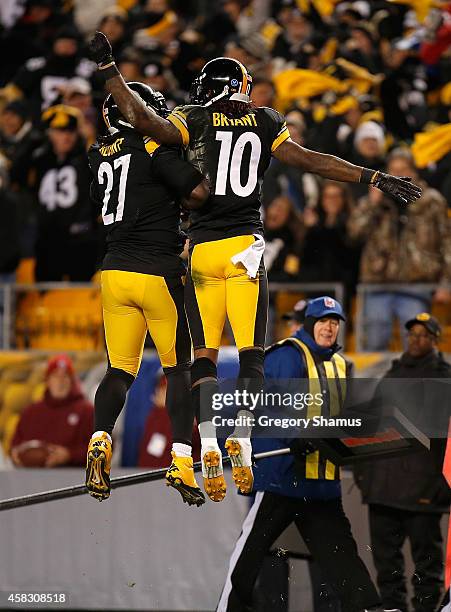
368	81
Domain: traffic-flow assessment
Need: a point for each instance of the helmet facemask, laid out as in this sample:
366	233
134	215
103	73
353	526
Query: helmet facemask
221	78
154	100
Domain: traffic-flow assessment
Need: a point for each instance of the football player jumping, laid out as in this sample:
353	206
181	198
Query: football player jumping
231	142
138	185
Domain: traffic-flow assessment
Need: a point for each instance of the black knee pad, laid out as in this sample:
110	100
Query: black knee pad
251	363
203	368
117	373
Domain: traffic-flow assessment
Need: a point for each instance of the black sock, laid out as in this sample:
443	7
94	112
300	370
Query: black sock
179	405
110	398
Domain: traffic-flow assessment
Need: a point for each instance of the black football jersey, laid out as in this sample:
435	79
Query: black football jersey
233	153
61	186
138	185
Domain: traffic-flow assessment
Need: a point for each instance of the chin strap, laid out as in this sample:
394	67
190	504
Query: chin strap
236	96
224	92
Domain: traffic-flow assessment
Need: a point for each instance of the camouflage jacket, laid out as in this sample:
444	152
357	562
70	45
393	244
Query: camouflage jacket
403	244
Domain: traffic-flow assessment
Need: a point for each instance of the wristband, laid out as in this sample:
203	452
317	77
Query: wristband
368	176
108	70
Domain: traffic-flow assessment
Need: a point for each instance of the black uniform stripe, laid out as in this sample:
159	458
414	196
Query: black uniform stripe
193	313
182	337
261	314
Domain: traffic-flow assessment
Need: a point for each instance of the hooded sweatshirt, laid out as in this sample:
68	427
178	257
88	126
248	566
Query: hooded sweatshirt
67	422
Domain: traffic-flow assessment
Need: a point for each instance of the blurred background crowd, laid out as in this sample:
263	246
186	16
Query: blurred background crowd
368	81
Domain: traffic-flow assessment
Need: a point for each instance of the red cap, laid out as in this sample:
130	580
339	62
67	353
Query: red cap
60	362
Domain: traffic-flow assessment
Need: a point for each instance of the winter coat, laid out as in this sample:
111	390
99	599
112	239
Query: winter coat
284	474
67	422
403	244
414	481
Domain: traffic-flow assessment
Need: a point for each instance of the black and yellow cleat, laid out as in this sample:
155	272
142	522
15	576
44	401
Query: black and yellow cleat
180	476
98	467
214	482
240	453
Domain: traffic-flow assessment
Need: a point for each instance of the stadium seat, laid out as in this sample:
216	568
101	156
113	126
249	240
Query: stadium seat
67	319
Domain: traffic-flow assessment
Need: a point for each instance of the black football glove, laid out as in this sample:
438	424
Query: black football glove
100	50
400	188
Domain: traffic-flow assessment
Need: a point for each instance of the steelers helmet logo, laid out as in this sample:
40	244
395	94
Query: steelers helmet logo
234	83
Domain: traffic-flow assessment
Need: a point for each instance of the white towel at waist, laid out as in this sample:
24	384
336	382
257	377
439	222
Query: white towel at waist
251	257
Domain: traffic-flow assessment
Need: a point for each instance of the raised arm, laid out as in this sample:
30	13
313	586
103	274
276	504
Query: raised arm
131	106
338	169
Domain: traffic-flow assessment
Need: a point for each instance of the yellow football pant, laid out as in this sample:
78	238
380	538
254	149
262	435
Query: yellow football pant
135	303
217	288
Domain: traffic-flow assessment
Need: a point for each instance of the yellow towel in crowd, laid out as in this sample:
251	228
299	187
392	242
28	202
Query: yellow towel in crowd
300	83
421	7
429	147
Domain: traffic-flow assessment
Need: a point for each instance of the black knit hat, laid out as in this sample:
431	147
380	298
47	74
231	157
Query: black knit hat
428	321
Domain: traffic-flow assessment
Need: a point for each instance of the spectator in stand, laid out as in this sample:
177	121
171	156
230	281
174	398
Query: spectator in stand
40	78
438	36
295	318
369	150
18	138
31	35
407	496
162	80
220	26
403	91
130	64
9	236
281	179
360	48
283	233
113	24
252	51
61	421
401	245
154	25
263	92
77	92
292	44
327	253
156	443
66	247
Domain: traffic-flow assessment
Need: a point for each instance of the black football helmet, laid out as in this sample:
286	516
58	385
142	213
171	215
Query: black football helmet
222	77
113	117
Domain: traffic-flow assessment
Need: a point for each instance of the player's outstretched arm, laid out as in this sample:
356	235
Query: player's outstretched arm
131	106
337	169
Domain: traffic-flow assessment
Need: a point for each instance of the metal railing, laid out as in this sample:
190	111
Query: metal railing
364	289
9	294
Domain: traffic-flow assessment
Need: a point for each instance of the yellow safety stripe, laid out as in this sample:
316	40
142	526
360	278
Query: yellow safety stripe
283	135
312	460
312	465
330	470
340	364
180	124
314	380
334	398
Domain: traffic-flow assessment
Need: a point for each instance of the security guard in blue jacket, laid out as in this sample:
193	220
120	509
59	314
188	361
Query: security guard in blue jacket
304	488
